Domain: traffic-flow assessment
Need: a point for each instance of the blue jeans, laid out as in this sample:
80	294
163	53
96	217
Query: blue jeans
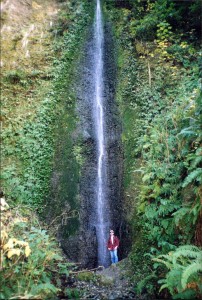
114	257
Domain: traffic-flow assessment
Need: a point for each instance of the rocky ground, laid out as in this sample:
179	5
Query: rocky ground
108	284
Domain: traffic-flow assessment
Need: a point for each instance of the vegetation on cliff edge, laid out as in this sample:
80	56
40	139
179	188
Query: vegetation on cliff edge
159	97
160	102
37	65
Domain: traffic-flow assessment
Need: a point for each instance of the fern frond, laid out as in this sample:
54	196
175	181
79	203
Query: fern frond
144	281
164	286
190	270
166	256
196	161
187	254
180	214
188	247
166	263
187	131
187	294
194	175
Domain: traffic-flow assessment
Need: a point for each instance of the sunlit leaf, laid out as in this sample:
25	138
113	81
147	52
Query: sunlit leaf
13	252
27	251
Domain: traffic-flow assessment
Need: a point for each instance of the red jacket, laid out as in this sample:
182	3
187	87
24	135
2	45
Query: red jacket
115	244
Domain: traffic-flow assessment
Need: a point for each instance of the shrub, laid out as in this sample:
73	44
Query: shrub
31	263
183	279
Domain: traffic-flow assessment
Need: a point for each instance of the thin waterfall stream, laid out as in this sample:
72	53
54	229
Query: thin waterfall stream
100	119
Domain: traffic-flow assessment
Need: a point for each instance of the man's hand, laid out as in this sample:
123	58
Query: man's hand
115	248
109	248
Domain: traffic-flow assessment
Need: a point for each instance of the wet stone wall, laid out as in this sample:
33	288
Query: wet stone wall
79	242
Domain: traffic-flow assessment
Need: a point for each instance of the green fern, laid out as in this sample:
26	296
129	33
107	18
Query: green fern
194	175
180	214
187	247
142	284
197	159
183	263
187	294
164	286
167	256
187	131
192	269
166	263
186	253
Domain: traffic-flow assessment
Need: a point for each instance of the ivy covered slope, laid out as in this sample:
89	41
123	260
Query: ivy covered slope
159	97
40	46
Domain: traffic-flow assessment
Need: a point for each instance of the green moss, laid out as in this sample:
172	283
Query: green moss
106	280
85	276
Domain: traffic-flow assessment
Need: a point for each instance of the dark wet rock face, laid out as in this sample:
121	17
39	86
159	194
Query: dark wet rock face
78	235
87	235
113	135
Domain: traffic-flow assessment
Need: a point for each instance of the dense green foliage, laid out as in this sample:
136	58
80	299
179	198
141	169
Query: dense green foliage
160	101
182	280
29	141
31	263
66	163
38	116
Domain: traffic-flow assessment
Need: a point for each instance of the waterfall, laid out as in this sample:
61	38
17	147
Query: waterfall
100	187
102	215
95	190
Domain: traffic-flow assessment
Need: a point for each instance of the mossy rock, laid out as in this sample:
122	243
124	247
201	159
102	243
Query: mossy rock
105	280
85	276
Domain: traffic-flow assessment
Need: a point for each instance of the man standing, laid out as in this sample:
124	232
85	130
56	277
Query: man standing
112	245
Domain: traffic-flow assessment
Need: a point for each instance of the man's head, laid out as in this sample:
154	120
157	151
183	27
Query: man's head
111	232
